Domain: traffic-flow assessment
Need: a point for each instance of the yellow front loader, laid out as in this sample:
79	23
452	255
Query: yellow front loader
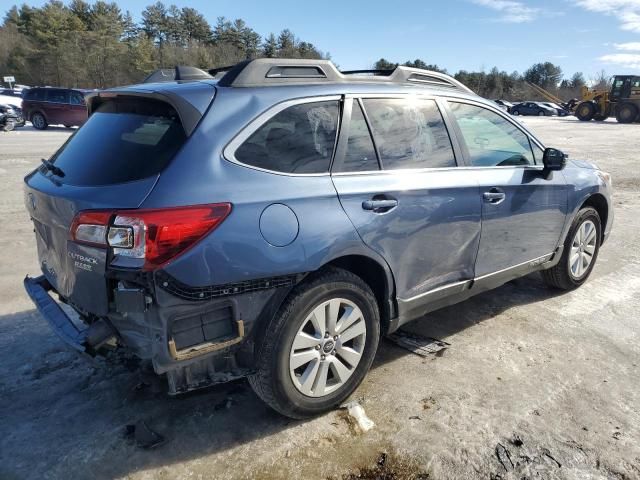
623	101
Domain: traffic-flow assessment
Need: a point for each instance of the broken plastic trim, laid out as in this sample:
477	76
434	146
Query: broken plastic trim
201	349
186	292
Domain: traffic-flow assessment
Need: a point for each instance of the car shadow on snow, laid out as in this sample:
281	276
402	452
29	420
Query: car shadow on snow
69	413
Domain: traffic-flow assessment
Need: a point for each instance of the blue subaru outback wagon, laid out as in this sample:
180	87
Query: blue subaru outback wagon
276	221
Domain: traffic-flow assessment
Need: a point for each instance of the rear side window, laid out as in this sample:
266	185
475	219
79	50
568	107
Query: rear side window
409	133
57	96
123	140
299	139
491	140
360	155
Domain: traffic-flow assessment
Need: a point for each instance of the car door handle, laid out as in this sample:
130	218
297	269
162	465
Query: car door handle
380	205
494	196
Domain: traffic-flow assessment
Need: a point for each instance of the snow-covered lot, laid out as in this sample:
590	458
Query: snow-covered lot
533	385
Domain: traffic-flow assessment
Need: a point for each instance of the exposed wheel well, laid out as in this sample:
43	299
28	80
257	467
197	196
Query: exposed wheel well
598	202
375	276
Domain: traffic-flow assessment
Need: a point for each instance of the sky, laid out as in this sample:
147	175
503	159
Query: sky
579	35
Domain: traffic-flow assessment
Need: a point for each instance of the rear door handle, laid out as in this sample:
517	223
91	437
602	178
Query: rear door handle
380	205
494	196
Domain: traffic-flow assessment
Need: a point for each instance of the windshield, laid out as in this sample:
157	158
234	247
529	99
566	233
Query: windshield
123	140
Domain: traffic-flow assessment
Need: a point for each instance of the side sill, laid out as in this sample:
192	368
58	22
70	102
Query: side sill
420	305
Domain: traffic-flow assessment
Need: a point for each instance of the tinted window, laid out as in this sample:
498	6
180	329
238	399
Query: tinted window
76	98
491	140
299	139
409	134
360	155
36	94
57	96
122	141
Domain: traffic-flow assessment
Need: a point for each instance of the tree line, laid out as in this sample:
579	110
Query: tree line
98	45
513	86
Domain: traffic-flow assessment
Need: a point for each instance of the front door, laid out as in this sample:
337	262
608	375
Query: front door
405	195
523	208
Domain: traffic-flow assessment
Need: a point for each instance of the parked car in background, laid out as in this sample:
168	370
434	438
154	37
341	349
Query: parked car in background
9	118
181	222
504	105
44	106
15	104
532	108
560	110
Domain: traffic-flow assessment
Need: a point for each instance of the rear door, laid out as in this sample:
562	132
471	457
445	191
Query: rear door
523	210
57	105
396	176
111	163
77	108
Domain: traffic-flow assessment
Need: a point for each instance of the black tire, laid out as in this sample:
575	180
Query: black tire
626	113
515	112
39	122
586	111
272	380
560	275
541	113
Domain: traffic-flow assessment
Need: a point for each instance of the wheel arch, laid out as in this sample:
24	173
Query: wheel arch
378	277
600	204
41	112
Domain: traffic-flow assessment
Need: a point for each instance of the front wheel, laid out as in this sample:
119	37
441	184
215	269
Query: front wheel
515	112
319	346
580	252
541	114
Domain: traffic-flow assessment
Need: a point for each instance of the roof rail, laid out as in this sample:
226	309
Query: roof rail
286	71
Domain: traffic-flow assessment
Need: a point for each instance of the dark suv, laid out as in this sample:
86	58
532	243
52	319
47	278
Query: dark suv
54	106
276	222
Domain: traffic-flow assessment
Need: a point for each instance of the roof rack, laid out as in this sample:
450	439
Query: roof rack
177	73
286	71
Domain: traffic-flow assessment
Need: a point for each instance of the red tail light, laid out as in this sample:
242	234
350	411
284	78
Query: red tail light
156	235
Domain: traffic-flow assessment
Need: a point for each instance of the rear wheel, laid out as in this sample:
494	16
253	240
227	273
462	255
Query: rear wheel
541	113
580	252
626	113
319	346
585	111
38	121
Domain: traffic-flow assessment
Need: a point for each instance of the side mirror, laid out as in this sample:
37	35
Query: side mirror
554	159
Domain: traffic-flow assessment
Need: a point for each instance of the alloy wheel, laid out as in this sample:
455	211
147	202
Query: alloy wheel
583	249
327	347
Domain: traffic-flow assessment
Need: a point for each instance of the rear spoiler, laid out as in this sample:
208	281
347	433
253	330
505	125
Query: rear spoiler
190	101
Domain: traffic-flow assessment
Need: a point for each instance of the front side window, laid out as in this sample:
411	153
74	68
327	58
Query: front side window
490	139
299	139
409	134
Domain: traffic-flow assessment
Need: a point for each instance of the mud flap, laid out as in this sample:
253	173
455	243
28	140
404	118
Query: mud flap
85	340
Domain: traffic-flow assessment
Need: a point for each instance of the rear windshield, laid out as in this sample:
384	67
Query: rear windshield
123	140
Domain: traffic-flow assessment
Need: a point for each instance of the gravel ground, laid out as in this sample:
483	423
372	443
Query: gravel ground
534	384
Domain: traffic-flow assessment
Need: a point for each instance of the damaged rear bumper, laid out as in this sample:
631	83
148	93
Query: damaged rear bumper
86	340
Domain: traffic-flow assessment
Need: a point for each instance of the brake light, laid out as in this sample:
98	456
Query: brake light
156	236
